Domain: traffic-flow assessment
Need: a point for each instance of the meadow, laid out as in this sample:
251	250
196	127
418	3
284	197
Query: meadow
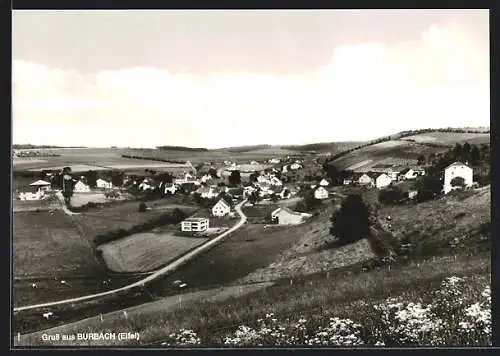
147	251
48	245
449	138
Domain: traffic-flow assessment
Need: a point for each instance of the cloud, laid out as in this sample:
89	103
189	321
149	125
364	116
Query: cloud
362	91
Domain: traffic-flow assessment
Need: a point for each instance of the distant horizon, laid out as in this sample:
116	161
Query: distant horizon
261	144
216	79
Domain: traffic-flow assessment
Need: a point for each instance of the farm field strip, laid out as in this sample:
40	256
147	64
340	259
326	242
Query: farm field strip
146	251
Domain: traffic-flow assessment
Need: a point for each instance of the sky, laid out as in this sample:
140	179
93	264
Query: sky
229	78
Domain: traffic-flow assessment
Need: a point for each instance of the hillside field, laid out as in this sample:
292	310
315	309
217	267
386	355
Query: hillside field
449	138
147	251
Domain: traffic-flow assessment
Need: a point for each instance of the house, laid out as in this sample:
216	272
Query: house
170	189
365	179
206	178
411	174
285	193
207	192
321	193
324	183
81	187
393	173
262	179
32	196
146	185
295	166
275	181
347	181
254	162
194	224
383	181
101	183
40	186
221	208
412	194
285	216
454	170
284	169
274	161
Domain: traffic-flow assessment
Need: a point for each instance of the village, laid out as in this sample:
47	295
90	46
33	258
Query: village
271	181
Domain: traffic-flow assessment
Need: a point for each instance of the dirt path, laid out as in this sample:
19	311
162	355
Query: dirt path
159	273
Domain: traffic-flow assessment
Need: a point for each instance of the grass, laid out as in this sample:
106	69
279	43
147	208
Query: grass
450	138
47	245
353	294
146	251
451	223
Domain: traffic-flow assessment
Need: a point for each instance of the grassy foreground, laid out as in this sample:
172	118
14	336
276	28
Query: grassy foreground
356	302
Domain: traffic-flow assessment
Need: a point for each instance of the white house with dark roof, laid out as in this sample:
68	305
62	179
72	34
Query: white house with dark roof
321	193
81	187
285	216
101	183
324	183
221	208
383	181
454	170
365	179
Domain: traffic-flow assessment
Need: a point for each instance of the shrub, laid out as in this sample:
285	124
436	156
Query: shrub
142	207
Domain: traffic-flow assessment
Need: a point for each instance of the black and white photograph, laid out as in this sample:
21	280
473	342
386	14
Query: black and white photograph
231	179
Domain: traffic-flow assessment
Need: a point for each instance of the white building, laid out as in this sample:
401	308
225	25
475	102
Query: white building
170	189
274	160
145	185
194	224
365	180
275	181
40	186
285	216
455	170
324	183
101	183
411	174
221	208
81	187
321	193
295	166
383	181
207	192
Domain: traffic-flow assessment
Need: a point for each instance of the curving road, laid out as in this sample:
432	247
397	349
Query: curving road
159	273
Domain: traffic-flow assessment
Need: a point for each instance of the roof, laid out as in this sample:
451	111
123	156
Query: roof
195	219
223	202
454	164
40	182
101	180
285	210
382	175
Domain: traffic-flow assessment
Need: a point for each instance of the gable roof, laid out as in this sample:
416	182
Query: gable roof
40	183
223	203
454	164
284	209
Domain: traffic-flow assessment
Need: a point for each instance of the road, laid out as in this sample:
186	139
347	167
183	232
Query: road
159	273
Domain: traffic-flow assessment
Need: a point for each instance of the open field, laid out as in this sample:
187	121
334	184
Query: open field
50	244
449	138
146	251
79	199
459	220
391	153
50	203
353	296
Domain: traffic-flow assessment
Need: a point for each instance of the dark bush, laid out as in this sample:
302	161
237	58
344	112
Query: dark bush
142	207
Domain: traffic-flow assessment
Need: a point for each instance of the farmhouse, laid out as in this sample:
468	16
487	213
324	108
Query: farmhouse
411	174
194	224
101	183
285	216
274	160
146	185
170	189
81	187
383	181
324	183
321	193
295	166
40	186
347	181
412	194
454	170
365	179
275	181
221	208
207	192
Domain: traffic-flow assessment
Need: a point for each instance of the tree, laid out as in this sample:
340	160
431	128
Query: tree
352	221
212	172
458	182
67	186
465	152
428	186
57	181
166	177
117	178
91	178
235	178
142	207
474	156
331	172
420	159
253	177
